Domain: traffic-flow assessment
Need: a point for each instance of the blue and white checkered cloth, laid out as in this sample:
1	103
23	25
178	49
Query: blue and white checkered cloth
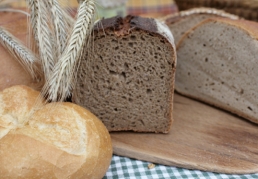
126	168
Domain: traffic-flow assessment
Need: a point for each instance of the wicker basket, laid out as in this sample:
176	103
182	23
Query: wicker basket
247	9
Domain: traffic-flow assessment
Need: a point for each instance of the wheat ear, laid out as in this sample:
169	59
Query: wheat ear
61	26
24	56
58	87
42	34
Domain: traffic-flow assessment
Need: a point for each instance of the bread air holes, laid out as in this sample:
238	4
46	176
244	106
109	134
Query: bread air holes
162	41
148	91
126	66
133	124
114	40
130	44
133	37
249	108
123	74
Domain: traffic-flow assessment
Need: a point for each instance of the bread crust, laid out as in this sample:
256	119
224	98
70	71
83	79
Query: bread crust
60	140
173	18
123	26
249	27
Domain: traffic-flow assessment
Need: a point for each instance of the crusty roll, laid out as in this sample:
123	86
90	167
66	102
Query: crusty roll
59	140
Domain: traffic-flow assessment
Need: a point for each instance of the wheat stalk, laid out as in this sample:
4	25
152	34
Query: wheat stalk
61	26
42	34
24	56
14	10
59	86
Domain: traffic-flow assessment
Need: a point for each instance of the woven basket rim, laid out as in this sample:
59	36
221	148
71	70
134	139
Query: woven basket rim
252	4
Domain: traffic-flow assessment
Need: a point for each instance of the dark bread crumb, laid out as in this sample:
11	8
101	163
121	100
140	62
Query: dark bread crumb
127	78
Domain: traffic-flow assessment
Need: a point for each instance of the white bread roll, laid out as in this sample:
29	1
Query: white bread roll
60	140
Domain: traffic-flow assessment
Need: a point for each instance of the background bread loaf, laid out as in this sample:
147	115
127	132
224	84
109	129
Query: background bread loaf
179	23
217	62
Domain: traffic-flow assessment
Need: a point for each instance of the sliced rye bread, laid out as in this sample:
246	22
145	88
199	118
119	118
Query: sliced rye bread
217	64
127	78
179	23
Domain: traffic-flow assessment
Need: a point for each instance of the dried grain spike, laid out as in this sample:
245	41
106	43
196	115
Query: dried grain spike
24	56
42	34
58	87
61	25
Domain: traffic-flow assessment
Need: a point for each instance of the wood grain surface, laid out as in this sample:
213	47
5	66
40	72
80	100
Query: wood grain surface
202	137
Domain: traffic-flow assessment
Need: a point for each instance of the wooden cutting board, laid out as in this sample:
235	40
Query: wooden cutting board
202	137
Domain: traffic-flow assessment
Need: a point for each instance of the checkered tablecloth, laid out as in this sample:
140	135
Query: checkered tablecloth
126	168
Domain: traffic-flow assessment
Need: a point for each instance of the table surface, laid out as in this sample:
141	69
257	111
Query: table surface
126	168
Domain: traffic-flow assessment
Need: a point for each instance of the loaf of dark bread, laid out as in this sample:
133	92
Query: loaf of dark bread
127	78
217	63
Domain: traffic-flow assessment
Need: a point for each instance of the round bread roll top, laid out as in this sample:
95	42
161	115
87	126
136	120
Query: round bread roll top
59	140
15	105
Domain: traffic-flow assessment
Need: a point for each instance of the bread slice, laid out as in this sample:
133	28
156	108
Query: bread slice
183	21
127	78
217	64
